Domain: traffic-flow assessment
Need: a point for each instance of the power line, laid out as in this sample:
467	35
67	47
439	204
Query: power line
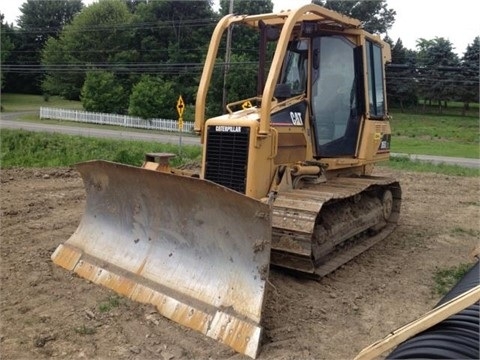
131	68
161	24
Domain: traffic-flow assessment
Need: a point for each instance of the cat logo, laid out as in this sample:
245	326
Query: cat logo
296	118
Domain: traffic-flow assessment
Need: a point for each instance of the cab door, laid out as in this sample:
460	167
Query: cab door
337	94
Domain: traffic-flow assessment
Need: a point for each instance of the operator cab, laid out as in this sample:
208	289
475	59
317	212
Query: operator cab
336	90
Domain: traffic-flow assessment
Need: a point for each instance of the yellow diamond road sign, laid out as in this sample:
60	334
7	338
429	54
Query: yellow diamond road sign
180	106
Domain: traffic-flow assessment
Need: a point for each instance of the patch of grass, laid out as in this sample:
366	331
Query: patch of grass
404	163
472	203
428	126
435	147
461	231
26	102
21	148
433	134
109	304
446	278
85	330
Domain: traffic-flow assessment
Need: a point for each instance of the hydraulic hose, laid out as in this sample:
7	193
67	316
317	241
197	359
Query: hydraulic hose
454	338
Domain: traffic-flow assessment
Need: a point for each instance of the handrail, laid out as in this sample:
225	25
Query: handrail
222	25
289	19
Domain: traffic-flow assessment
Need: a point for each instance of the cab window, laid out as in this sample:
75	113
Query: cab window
376	90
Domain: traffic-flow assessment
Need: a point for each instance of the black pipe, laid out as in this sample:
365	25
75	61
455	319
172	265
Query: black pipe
454	338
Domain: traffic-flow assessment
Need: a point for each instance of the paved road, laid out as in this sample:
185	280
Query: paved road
7	122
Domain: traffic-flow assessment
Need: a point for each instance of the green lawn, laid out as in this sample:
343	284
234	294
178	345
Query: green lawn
435	147
436	127
36	149
23	102
432	134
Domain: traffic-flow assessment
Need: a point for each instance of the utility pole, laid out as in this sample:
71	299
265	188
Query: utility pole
227	59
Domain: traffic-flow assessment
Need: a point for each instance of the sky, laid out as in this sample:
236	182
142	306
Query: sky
415	19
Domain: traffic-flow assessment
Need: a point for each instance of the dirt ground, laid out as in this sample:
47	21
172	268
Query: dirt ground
47	312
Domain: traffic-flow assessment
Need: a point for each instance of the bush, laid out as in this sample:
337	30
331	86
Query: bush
101	92
153	97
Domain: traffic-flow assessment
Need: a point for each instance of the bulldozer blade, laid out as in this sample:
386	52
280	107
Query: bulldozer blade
197	251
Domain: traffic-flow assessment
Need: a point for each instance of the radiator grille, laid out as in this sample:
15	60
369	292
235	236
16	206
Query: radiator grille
227	156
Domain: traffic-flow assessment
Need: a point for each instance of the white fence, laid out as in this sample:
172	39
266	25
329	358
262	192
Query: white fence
113	119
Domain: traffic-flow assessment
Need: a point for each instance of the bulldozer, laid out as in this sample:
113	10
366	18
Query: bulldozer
286	180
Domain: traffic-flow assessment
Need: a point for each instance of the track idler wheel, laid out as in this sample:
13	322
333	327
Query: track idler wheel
387	204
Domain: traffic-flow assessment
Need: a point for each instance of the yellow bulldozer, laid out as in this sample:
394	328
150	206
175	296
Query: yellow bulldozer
285	180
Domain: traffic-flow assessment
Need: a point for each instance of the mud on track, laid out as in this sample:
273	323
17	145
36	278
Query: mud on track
47	312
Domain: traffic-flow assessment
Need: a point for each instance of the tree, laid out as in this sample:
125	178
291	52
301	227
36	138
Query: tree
39	21
176	40
100	36
153	97
245	40
241	79
6	47
437	63
249	7
133	4
62	78
470	74
401	76
47	18
101	92
230	84
375	16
